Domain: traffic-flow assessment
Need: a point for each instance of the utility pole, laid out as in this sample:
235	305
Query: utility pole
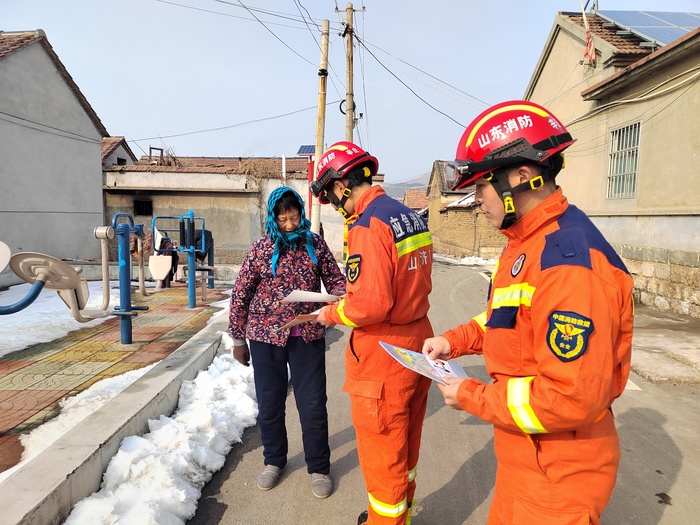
349	98
320	122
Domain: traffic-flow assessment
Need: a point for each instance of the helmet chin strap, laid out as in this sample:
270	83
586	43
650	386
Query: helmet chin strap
499	180
340	203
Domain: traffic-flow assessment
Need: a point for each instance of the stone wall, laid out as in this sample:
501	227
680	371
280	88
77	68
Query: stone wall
668	280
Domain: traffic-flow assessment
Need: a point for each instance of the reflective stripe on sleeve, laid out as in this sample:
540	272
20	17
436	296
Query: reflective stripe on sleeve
413	243
387	509
341	313
519	406
481	320
513	295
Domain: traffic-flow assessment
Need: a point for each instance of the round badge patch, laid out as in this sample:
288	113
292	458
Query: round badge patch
517	265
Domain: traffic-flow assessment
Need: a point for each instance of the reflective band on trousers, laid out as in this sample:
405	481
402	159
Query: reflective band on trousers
513	295
387	509
412	474
519	406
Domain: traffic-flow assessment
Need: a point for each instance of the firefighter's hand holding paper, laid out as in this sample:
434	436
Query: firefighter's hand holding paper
437	348
449	389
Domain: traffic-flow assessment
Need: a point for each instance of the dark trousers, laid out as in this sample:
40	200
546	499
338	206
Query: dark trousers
307	366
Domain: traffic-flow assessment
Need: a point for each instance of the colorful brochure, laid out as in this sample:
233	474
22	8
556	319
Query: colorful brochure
436	369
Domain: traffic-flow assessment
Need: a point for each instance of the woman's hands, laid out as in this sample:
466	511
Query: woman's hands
241	353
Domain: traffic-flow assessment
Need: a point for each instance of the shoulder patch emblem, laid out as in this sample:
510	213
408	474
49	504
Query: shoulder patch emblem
568	334
352	267
517	265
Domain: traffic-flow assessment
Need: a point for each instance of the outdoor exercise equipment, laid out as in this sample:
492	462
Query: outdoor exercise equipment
187	245
123	231
40	271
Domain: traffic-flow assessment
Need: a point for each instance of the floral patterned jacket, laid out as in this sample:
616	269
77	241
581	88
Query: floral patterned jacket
256	299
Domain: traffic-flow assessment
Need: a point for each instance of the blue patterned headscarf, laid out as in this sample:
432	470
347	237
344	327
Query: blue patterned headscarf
293	240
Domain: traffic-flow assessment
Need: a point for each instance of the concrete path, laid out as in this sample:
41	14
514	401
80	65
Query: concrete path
455	472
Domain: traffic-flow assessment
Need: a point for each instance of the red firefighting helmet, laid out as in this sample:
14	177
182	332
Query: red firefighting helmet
506	134
337	162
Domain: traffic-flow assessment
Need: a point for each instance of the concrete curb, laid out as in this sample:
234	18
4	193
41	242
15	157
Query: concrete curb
45	490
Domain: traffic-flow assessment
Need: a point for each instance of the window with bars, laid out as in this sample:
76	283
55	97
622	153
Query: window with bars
143	207
624	156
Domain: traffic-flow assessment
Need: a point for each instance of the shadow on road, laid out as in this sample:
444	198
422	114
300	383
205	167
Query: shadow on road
464	493
644	488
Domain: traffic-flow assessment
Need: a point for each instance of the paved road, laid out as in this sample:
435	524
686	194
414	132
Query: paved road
659	428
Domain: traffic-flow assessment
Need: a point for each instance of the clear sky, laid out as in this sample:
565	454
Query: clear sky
221	78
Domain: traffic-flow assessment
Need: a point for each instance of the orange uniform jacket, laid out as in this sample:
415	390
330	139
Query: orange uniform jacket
388	274
389	265
557	335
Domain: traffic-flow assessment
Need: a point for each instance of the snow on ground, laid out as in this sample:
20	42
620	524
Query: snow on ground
154	479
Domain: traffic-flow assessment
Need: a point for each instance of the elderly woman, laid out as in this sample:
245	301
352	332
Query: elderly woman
290	257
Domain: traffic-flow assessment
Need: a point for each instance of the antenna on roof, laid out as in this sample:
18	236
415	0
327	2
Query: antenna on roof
595	5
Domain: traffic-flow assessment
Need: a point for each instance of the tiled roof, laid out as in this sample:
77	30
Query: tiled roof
687	42
10	42
628	45
416	199
109	144
224	165
13	41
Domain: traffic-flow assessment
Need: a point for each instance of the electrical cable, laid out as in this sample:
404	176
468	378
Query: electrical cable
254	121
63	133
407	87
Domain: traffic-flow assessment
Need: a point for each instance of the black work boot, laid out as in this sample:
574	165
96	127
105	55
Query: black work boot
362	518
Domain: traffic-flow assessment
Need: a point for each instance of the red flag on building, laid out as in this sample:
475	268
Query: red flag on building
589	53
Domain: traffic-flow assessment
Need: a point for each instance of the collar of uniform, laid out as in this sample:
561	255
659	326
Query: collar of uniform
372	193
552	207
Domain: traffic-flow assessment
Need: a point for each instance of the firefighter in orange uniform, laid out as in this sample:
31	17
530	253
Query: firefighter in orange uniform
556	336
388	273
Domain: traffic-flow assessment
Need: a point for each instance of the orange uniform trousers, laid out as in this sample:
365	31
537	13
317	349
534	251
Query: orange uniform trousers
563	478
388	404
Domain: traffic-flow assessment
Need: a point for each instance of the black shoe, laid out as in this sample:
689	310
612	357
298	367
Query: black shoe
362	518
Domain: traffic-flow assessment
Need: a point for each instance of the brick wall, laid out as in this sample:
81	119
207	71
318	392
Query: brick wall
464	232
668	280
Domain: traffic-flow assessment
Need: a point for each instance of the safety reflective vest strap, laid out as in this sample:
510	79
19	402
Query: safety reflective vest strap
513	295
519	406
480	320
343	317
387	509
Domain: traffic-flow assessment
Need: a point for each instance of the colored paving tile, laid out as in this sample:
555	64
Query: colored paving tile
21	406
10	451
34	380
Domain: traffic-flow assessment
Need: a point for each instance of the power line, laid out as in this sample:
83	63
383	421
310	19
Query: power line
407	87
25	122
485	104
254	121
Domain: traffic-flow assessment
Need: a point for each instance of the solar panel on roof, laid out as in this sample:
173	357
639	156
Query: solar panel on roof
308	149
659	26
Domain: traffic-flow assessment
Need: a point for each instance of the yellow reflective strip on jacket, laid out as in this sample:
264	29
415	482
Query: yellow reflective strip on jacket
481	320
519	405
413	243
386	509
513	295
412	474
341	313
